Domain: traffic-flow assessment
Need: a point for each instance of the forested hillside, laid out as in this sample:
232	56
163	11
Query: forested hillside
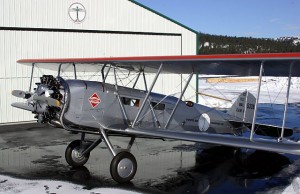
215	44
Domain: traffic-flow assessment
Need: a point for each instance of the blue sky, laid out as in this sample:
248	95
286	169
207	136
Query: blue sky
255	18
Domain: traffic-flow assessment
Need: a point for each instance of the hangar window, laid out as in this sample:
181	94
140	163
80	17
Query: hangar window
130	101
158	106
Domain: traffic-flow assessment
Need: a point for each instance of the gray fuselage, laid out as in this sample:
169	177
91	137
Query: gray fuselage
90	103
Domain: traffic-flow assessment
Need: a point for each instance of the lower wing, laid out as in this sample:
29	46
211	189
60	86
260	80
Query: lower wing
265	130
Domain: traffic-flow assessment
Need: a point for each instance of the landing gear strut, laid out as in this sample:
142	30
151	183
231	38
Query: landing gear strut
123	166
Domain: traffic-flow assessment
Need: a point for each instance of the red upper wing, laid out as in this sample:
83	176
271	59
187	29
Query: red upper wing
275	64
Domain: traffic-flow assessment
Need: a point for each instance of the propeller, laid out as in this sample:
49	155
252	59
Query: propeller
48	100
44	102
24	106
21	94
26	95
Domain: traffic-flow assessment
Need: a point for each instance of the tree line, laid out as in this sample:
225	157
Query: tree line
217	44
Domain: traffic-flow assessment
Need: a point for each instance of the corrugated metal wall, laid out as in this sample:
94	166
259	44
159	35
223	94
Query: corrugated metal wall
43	29
112	15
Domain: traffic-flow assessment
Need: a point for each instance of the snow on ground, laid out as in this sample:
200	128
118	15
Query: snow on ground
10	185
273	90
294	188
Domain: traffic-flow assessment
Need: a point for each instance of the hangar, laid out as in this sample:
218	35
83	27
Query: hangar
90	28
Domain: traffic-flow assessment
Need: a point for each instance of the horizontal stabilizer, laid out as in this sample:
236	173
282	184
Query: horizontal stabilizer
265	130
22	105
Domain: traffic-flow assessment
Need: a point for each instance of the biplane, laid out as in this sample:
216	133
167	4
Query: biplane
106	109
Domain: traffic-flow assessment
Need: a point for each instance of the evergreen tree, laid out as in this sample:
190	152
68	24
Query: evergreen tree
238	45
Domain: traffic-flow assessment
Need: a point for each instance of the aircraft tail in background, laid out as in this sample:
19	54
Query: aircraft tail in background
243	107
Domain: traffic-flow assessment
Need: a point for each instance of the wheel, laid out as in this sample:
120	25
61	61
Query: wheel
73	154
123	167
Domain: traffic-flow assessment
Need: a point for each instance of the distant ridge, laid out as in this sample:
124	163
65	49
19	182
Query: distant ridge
292	40
217	44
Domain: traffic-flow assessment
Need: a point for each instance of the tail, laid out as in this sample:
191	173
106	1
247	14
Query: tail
243	107
242	112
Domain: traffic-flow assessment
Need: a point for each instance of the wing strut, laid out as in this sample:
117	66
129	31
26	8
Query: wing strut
145	82
245	107
59	70
286	102
119	99
31	77
153	113
137	79
147	95
176	105
102	73
107	72
75	73
257	99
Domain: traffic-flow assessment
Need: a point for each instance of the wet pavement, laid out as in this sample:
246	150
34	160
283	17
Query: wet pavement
34	151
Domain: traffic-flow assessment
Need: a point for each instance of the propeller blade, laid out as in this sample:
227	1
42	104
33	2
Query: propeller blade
22	105
47	100
21	94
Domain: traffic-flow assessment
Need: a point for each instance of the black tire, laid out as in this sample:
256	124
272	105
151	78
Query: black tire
73	156
123	167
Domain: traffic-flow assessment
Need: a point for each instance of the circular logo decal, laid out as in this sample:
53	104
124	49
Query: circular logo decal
77	12
204	122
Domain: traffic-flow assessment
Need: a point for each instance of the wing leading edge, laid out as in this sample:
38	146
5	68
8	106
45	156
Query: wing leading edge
221	139
275	64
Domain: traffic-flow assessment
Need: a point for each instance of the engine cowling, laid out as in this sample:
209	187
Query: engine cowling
48	103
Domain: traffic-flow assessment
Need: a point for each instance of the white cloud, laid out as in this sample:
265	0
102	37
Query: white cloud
275	20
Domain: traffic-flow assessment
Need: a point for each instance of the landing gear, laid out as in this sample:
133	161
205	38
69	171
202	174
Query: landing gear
74	156
123	167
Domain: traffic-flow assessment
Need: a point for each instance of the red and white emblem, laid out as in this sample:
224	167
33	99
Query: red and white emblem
94	100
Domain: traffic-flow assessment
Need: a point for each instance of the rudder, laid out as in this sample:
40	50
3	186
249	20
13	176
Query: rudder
243	107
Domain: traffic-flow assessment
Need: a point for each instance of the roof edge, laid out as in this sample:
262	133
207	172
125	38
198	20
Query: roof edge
164	16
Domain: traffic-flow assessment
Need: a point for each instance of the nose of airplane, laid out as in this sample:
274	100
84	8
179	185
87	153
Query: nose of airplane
46	100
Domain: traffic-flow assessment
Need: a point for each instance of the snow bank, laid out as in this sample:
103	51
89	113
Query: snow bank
273	90
294	188
10	185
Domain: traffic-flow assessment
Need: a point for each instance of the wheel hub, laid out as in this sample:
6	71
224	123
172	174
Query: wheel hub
125	168
77	156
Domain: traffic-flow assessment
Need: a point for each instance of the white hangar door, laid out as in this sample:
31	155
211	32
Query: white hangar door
30	43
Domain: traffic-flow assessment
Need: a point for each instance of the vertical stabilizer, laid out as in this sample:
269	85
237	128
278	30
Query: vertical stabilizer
243	107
